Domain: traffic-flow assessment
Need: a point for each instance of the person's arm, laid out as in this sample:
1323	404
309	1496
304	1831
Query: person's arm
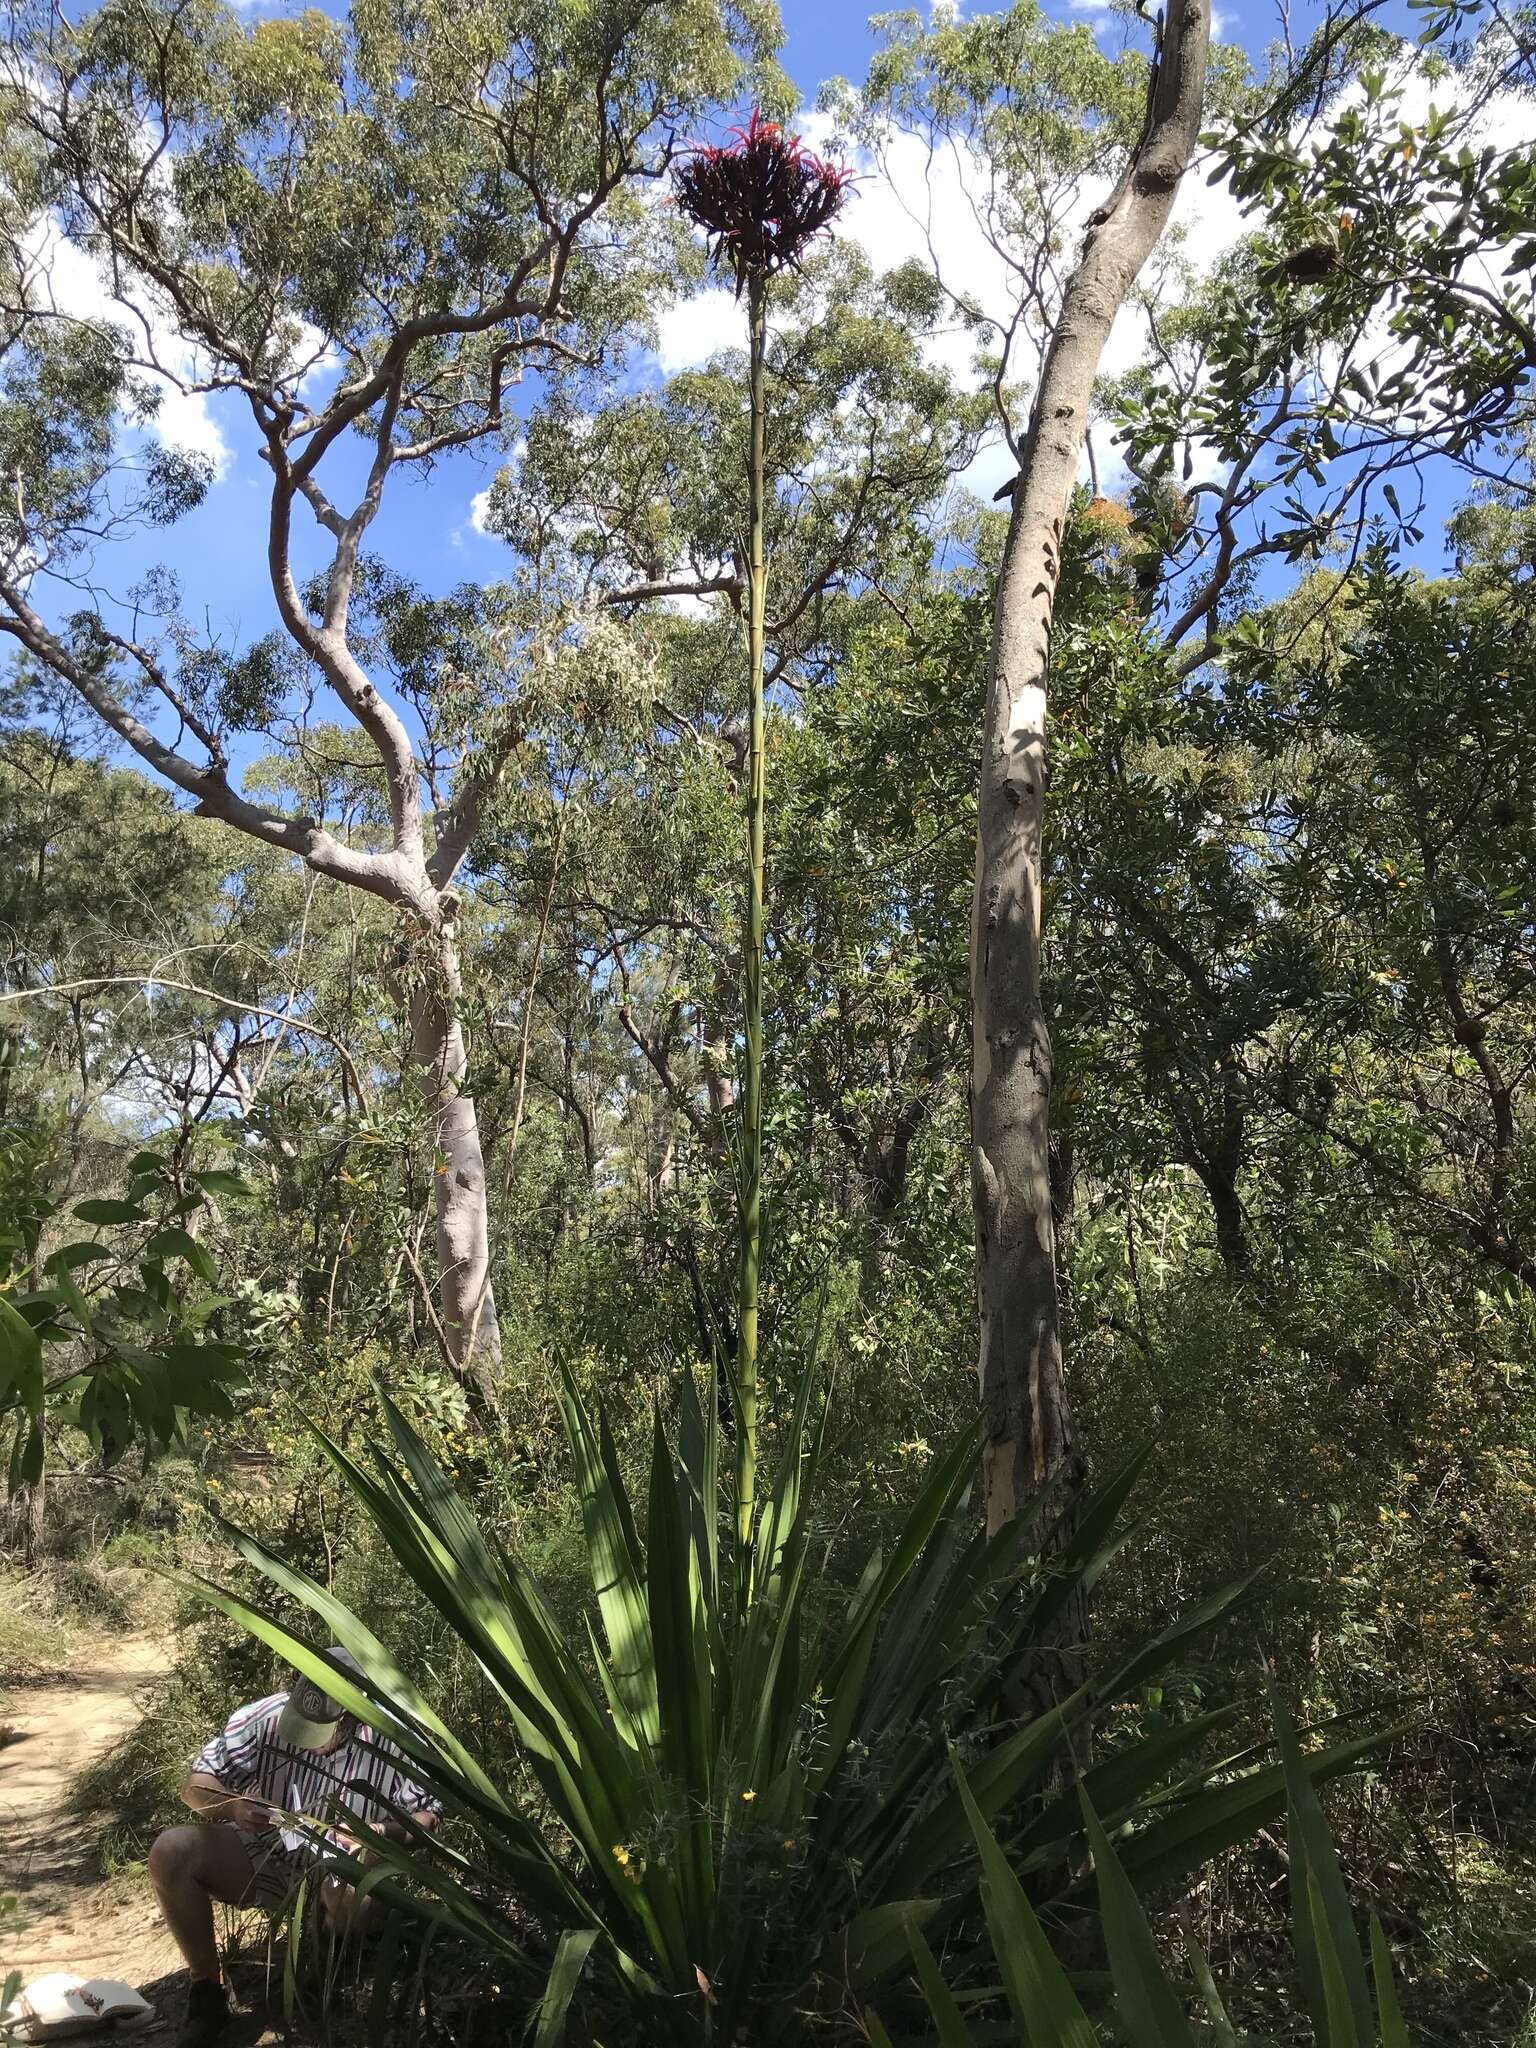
214	1801
224	1783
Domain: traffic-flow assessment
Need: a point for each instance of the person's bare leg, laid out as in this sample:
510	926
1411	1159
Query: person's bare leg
190	1868
346	1912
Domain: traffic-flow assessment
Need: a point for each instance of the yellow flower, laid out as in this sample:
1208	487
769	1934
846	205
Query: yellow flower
620	1854
749	1796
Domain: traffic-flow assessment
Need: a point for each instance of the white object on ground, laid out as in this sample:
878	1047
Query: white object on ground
50	2007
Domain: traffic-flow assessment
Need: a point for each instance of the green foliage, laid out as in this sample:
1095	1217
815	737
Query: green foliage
745	1808
1289	968
112	1333
1380	312
1348	2002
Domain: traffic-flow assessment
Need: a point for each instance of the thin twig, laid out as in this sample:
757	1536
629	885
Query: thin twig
192	988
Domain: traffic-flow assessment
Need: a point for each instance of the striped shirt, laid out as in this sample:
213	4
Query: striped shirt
366	1776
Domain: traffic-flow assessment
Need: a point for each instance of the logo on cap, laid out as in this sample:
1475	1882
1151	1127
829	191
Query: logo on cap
314	1704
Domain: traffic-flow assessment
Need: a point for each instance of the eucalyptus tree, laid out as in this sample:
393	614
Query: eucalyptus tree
1371	341
1374	320
362	232
1010	93
1028	1420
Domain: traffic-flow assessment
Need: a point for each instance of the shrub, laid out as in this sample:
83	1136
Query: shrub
1345	2007
730	1809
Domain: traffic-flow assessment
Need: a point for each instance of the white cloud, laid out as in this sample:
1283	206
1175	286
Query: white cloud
312	360
930	206
688	605
62	278
991	467
692	330
480	504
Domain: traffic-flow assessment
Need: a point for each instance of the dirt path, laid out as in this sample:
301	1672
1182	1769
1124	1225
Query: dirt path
77	1920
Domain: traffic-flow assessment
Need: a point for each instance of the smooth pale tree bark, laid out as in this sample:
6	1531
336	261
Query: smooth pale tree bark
415	877
1028	1418
414	882
483	256
461	1217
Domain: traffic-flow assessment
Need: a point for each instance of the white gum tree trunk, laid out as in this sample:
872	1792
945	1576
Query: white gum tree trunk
1027	1413
461	1218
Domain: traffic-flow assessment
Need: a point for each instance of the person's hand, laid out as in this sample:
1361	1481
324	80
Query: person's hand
251	1814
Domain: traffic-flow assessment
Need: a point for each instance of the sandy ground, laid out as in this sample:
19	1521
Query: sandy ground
78	1919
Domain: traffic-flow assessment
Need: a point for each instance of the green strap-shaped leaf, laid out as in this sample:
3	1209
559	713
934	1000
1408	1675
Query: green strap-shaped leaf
947	2016
684	1688
875	1941
291	1957
1326	1941
1151	2012
1162	1649
1221	2026
1390	2030
1045	2007
1334	2022
948	1479
1121	1780
565	1974
613	1552
1210	1820
698	1450
999	1778
452	1768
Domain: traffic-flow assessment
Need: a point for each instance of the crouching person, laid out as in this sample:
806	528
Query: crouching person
297	1753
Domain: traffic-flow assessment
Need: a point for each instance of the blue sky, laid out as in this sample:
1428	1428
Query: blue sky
426	528
220	548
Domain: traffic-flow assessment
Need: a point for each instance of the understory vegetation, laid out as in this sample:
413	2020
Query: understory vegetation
915	1388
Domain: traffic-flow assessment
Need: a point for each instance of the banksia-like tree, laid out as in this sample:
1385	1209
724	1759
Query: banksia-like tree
760	199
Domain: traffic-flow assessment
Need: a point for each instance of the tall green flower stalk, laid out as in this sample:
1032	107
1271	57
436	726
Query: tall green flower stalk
760	199
752	943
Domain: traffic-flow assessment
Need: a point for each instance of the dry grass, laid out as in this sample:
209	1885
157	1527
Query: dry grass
35	1640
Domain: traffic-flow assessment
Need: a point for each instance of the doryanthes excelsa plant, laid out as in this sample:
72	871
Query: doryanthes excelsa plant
760	198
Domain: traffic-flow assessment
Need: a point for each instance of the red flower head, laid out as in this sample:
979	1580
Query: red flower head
761	198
